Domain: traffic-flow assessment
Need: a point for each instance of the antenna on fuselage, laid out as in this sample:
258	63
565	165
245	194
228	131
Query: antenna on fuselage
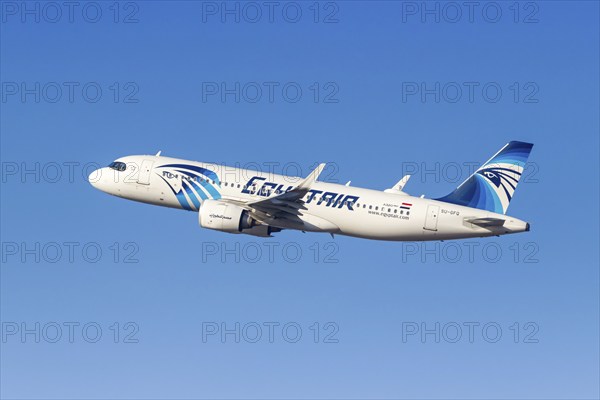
158	154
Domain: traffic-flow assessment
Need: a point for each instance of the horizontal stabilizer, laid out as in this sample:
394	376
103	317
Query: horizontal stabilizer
483	222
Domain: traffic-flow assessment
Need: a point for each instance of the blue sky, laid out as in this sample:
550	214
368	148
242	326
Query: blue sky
386	88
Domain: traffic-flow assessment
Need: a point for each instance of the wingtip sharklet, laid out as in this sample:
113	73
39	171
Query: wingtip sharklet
312	177
318	170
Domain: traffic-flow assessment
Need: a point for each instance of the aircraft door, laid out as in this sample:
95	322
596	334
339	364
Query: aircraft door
431	219
145	169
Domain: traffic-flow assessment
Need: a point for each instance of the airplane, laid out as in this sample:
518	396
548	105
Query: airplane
243	201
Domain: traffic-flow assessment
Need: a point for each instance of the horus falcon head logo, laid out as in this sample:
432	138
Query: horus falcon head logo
502	177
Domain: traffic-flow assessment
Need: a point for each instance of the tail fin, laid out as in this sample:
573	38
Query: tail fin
492	186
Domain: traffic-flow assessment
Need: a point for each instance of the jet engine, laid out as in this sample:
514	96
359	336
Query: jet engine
227	217
224	216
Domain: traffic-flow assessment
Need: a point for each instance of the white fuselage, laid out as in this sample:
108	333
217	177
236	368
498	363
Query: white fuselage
332	208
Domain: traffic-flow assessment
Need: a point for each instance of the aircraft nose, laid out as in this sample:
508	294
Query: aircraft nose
94	178
100	180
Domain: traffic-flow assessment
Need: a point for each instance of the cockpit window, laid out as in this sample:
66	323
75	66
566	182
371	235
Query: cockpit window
117	165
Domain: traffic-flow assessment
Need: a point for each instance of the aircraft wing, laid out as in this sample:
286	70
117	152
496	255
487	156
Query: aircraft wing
288	204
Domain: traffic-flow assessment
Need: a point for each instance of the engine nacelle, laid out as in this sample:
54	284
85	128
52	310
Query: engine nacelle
223	216
261	230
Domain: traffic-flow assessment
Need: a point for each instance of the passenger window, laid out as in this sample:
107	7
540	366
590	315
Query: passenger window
395	210
370	207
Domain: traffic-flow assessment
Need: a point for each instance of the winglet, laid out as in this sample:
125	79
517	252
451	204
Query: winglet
312	177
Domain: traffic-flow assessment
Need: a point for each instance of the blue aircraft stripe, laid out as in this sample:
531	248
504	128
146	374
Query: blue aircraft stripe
180	197
206	172
191	195
198	189
209	187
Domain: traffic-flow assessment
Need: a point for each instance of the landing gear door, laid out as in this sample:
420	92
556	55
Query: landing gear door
431	219
145	169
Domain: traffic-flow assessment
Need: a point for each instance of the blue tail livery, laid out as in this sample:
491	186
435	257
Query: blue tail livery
492	186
